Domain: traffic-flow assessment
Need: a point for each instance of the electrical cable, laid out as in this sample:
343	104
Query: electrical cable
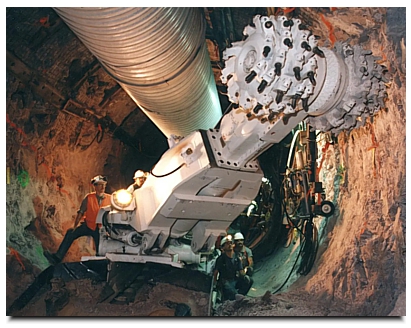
289	275
169	173
306	249
303	269
99	137
83	148
310	249
291	271
70	272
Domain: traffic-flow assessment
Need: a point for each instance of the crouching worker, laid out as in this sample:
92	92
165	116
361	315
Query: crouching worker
229	276
88	211
244	253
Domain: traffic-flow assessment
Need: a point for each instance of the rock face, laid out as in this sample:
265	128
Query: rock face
360	267
49	175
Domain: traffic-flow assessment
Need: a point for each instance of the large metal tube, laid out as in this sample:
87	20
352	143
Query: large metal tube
159	57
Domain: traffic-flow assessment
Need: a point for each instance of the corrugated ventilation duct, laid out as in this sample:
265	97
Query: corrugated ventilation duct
158	56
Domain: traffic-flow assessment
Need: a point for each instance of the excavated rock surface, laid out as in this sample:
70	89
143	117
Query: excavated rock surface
151	300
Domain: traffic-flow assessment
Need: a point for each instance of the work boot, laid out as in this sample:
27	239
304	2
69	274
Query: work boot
52	258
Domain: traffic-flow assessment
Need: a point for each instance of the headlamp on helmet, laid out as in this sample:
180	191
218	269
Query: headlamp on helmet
98	179
226	239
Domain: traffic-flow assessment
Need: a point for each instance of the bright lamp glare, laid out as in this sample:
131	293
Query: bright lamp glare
122	198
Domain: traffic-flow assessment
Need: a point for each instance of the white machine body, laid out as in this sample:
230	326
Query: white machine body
278	76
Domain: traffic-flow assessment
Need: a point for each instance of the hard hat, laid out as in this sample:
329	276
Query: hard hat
140	174
238	236
225	239
98	179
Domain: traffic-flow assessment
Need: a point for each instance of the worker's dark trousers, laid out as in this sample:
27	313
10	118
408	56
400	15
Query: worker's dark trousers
232	287
73	234
244	284
229	290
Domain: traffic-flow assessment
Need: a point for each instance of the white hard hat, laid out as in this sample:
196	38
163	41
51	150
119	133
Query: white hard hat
139	174
238	236
225	239
98	179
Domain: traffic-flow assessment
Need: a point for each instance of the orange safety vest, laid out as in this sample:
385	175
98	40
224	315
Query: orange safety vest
90	215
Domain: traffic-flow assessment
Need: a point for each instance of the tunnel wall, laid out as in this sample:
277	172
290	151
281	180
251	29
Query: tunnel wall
50	160
361	264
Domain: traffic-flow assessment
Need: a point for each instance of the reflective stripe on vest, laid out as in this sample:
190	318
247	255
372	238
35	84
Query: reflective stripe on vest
93	208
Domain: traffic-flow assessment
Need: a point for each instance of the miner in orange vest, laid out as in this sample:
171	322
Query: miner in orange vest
89	208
